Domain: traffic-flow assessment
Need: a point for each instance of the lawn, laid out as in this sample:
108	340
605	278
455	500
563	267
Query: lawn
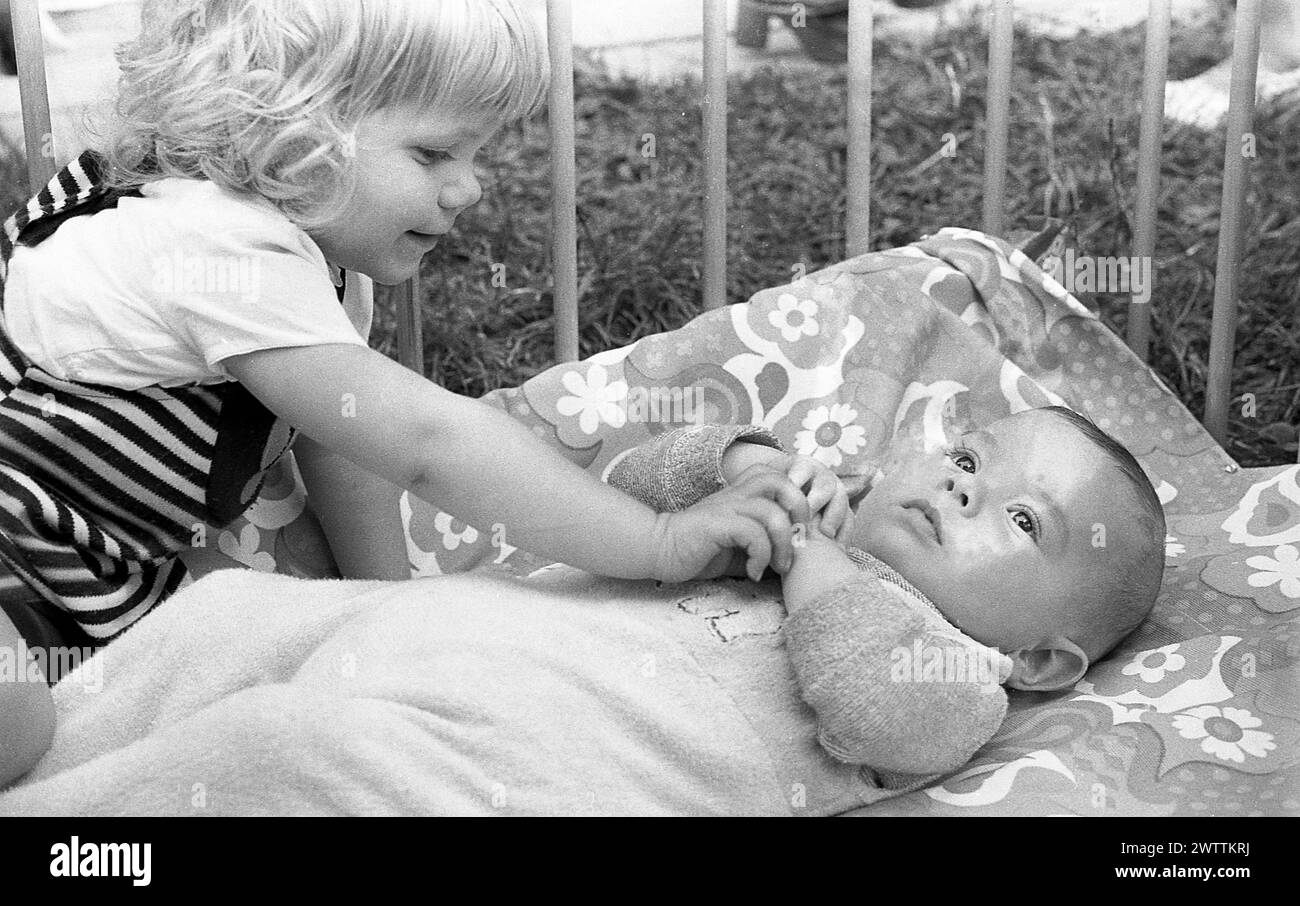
1073	119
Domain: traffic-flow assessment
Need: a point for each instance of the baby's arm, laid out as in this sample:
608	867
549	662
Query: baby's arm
820	564
852	637
486	468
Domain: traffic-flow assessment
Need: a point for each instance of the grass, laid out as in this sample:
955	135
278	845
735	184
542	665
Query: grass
1073	120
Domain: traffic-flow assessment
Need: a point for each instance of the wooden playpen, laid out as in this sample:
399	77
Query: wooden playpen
38	137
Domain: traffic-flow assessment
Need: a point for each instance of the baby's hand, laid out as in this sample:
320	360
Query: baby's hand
827	496
756	514
819	566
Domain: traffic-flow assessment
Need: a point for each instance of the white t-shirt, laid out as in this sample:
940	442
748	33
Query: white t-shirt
161	289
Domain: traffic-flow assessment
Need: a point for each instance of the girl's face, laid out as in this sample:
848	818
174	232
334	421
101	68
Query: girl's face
414	174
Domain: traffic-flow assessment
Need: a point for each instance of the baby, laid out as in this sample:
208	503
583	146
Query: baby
1036	542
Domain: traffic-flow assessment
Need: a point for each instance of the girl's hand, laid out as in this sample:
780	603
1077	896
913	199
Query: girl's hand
755	514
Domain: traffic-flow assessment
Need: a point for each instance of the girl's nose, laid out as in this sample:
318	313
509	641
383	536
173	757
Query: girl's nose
460	193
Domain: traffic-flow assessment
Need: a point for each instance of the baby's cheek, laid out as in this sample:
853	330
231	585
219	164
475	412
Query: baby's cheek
858	531
868	531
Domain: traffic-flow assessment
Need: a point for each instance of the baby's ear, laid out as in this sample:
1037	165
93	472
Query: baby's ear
1058	664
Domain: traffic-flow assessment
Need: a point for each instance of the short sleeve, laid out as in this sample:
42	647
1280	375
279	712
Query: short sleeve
162	288
275	293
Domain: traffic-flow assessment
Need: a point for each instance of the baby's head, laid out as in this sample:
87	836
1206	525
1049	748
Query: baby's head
1039	535
329	109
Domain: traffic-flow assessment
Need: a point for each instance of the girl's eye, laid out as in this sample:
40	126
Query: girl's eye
1025	523
961	456
433	155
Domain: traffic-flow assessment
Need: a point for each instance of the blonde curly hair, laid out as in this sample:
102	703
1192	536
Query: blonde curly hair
264	96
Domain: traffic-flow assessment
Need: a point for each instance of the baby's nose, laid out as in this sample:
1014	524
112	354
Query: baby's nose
963	498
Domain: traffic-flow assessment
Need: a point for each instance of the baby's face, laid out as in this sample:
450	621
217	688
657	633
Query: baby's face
415	174
1002	529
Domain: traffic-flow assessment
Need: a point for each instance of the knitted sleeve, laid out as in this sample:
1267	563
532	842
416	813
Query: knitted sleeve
893	687
683	466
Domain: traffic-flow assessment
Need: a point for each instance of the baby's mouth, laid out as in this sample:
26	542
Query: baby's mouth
931	516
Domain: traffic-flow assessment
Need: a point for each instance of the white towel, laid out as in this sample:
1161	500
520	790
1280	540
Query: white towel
250	693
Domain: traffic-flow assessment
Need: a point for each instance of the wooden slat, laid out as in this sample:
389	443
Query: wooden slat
997	115
1241	115
857	226
714	109
1148	178
33	94
564	194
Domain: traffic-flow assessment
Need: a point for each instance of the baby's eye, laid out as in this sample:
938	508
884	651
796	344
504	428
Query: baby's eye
1025	523
961	456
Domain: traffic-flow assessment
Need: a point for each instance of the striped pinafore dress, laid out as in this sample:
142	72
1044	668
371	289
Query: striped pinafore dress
102	488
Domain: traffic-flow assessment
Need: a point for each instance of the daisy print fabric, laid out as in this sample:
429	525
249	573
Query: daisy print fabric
900	351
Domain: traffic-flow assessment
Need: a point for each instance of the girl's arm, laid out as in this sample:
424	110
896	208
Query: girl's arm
358	512
487	469
26	710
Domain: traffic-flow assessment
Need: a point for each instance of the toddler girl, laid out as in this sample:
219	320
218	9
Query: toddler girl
175	312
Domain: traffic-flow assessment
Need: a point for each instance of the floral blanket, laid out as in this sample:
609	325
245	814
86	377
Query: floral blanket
1197	713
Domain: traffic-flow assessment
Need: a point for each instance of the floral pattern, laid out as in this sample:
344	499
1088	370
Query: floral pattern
884	355
795	318
829	434
451	537
1168	662
1173	548
1282	568
245	548
1225	733
594	399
